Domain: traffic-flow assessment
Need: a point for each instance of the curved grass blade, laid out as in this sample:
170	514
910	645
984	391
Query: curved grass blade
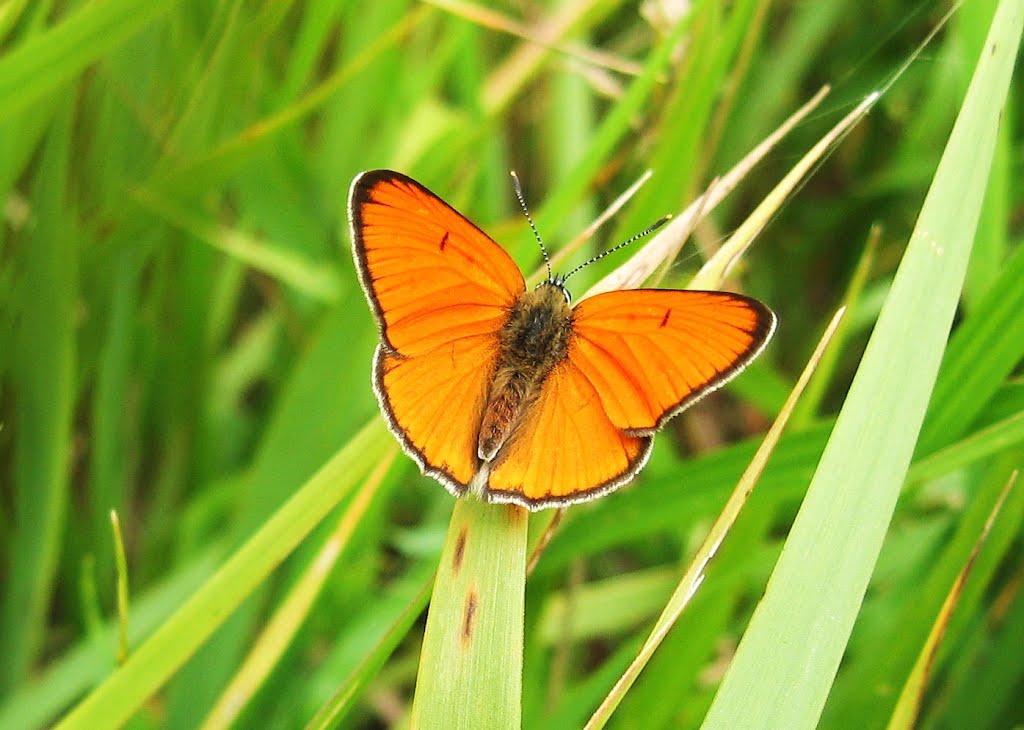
117	699
785	664
694	575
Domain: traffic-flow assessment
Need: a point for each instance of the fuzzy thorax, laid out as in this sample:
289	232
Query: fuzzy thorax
533	341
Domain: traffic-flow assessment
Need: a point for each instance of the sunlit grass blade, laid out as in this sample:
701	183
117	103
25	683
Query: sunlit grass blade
663	246
154	661
509	78
788	657
471	664
121	564
294	609
494	20
719	265
908	706
612	129
694	575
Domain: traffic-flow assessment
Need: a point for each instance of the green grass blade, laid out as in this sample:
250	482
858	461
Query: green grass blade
908	708
785	664
44	358
148	668
982	353
394	619
695	573
471	665
49	59
88	662
279	633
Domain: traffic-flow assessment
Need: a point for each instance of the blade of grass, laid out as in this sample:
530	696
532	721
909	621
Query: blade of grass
905	632
615	125
982	353
471	665
44	62
314	279
494	20
121	563
344	698
85	665
788	657
908	707
719	265
983	443
149	667
694	575
44	374
507	80
294	609
663	246
990	677
811	402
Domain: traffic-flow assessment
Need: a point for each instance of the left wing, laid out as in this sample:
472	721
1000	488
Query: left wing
431	275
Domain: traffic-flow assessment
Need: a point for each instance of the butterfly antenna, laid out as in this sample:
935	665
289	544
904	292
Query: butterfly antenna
529	219
645	232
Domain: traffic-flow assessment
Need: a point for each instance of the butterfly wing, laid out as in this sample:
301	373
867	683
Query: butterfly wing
635	359
440	290
430	274
567	449
650	353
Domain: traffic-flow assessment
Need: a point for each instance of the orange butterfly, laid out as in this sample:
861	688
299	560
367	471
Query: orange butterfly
515	394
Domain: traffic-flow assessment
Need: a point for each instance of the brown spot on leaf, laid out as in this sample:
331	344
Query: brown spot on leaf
460	551
469	617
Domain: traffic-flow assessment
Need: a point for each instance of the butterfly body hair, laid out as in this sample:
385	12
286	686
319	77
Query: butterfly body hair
534	339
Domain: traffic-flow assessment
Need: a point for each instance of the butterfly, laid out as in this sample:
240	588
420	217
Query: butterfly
515	394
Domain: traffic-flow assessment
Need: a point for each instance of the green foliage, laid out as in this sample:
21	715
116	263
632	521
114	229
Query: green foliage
183	340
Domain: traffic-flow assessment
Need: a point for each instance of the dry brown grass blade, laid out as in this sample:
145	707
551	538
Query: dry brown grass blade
670	239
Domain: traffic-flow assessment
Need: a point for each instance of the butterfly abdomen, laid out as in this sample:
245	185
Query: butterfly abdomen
533	340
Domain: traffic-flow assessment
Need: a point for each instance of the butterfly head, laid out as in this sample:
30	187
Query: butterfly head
557	281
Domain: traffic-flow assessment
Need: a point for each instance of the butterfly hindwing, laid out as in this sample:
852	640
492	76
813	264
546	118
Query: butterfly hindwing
567	449
433	403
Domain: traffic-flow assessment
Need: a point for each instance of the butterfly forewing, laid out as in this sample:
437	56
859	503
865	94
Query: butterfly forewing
431	275
650	352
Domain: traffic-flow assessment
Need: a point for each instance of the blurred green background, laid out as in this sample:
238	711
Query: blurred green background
183	339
